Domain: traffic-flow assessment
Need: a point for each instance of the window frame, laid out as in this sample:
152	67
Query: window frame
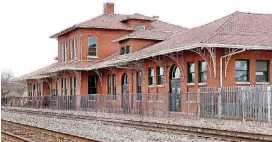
190	72
267	71
75	48
96	47
248	70
150	69
200	72
109	84
71	47
126	49
160	77
139	85
114	87
122	50
140	26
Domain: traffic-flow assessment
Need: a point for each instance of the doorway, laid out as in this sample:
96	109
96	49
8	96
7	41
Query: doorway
175	89
125	93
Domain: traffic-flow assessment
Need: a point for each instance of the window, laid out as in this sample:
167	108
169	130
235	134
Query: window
202	71
72	45
75	49
262	71
122	50
150	76
191	72
30	92
114	86
125	50
160	76
71	86
92	87
57	87
63	86
63	52
74	85
92	46
140	28
109	84
175	72
139	85
242	70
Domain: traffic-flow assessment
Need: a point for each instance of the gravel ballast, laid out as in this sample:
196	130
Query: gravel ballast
231	125
96	129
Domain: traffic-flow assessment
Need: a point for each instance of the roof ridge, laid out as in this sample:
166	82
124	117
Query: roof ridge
222	26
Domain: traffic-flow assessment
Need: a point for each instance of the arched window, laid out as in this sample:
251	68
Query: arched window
125	79
176	72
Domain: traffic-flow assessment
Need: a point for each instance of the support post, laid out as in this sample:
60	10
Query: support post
219	103
198	103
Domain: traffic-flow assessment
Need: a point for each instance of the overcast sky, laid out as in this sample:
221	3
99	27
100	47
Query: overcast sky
25	25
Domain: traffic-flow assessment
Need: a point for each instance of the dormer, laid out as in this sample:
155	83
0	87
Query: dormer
140	39
139	22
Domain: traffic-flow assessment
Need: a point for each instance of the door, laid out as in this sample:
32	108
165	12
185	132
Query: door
175	98
92	87
175	90
125	93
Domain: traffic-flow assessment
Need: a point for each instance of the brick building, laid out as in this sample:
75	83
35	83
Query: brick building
137	54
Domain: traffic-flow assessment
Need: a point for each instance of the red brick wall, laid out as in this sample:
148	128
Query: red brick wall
105	45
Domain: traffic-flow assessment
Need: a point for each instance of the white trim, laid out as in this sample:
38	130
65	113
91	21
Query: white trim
150	86
263	83
190	84
160	86
242	82
202	83
95	57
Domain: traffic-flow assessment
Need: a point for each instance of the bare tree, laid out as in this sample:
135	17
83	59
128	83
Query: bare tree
6	77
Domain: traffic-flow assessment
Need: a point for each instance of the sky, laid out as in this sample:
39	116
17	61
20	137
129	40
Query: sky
26	25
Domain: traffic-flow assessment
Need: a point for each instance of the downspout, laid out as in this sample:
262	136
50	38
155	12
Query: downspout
221	64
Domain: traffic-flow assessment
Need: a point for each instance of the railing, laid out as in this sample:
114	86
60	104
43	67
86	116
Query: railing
236	102
252	103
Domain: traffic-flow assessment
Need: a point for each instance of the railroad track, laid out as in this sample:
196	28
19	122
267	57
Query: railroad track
203	132
16	132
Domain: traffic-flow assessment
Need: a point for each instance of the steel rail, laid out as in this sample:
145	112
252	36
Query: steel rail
46	131
11	137
199	131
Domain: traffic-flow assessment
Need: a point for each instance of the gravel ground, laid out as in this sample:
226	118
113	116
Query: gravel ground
205	123
97	130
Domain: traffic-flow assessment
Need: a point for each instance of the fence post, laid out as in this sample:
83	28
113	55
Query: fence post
198	103
243	102
219	103
269	104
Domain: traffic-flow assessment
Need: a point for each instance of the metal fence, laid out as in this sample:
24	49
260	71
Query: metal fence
251	103
161	105
236	102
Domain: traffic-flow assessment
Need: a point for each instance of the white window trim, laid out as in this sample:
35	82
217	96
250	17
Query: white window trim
89	56
263	83
242	82
75	46
71	49
140	26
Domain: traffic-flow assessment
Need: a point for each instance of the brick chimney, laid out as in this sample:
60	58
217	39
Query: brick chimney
109	8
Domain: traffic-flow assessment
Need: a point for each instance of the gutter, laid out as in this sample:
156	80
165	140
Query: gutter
221	64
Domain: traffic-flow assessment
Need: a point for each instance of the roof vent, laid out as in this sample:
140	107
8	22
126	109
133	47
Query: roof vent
109	8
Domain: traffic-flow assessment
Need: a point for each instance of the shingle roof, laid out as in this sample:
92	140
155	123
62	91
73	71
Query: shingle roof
56	67
106	21
137	16
146	34
238	29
